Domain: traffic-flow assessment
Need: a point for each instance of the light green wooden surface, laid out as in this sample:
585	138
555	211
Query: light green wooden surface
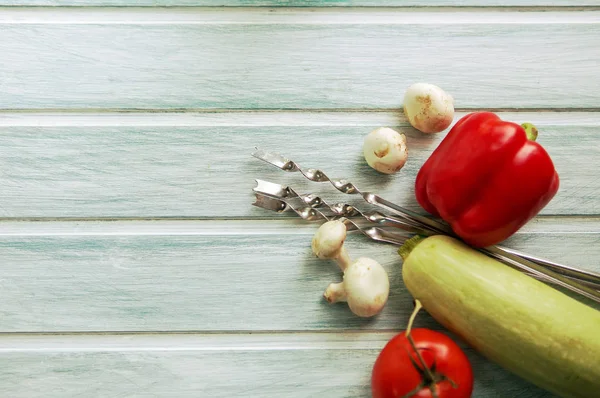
287	364
132	261
181	165
302	3
209	275
295	59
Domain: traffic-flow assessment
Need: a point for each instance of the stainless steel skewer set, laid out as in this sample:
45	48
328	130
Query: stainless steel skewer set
397	228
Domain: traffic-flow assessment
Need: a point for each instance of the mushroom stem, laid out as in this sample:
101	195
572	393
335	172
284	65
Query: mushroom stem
335	293
365	288
343	259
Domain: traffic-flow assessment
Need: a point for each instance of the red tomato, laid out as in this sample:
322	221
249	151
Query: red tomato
398	372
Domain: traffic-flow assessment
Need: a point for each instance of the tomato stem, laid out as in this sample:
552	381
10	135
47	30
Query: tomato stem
429	378
411	320
415	391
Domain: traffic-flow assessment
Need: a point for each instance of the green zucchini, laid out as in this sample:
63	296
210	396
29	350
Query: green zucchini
524	325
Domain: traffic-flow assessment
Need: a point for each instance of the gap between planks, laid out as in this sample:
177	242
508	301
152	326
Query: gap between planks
160	111
299	15
161	342
436	4
269	118
540	225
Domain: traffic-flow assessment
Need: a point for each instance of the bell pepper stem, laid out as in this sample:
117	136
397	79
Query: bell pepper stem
531	131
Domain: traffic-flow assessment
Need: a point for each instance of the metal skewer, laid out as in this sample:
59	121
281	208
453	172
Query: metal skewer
340	209
308	213
347	187
278	194
416	219
525	264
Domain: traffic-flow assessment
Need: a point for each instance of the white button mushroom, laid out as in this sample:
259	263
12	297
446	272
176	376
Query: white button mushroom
385	150
365	288
428	108
328	243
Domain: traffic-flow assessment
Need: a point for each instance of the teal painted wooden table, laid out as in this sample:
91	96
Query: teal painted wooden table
133	263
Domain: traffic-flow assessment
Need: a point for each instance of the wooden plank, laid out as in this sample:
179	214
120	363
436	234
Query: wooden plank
270	365
329	58
199	164
301	3
211	275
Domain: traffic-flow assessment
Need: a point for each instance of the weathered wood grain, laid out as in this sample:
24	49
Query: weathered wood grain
272	365
294	58
214	279
299	3
210	275
199	165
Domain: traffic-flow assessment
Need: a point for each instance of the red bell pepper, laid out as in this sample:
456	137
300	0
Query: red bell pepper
487	178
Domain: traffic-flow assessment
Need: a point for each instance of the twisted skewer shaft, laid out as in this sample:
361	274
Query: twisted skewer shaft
528	265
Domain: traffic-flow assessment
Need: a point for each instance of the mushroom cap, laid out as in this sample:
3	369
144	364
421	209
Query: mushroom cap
428	108
385	150
367	287
329	239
